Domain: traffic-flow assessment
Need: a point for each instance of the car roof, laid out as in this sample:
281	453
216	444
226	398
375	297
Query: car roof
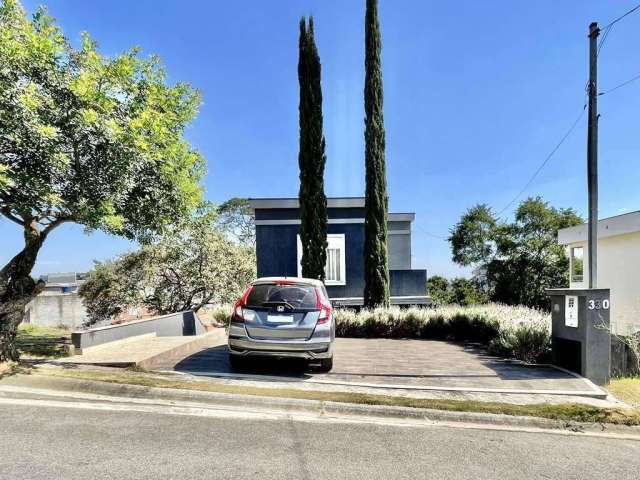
298	280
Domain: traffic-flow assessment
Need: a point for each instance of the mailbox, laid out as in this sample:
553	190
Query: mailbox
580	331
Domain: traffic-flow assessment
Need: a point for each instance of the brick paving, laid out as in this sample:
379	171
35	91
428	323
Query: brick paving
402	363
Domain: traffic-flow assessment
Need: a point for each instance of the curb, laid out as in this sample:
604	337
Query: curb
597	393
96	390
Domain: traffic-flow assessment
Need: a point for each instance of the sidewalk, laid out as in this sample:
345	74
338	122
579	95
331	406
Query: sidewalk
147	393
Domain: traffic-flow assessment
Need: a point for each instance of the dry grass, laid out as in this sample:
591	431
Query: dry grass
566	412
626	389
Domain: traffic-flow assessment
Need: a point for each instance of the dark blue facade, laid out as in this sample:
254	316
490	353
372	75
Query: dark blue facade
277	251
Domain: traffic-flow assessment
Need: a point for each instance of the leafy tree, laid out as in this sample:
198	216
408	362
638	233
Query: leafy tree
460	291
311	159
376	262
438	289
84	138
236	220
466	292
515	262
192	265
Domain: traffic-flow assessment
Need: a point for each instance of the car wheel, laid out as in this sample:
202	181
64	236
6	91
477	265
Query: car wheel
326	364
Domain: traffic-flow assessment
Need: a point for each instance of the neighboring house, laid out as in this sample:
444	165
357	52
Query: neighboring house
279	251
59	303
618	265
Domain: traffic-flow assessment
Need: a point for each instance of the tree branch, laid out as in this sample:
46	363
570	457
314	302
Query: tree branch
7	213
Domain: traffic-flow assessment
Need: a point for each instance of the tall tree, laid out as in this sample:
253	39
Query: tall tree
86	139
311	159
515	262
376	263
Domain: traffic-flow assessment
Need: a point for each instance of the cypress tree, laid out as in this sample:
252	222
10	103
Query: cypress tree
311	158
376	263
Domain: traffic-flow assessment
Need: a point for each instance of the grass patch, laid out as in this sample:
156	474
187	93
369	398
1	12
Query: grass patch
565	412
626	389
43	342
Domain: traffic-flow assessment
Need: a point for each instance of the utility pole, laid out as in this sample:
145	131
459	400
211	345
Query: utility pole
592	156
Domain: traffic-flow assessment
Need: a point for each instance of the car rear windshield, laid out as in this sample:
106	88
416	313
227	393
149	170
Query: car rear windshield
293	296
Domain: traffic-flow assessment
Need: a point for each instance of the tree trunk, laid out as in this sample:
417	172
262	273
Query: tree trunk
17	289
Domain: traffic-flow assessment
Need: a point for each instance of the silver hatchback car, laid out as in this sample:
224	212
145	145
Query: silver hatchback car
283	317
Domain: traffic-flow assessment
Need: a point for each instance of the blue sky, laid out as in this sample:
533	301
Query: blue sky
476	96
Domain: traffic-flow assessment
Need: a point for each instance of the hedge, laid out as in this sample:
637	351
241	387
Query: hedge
514	332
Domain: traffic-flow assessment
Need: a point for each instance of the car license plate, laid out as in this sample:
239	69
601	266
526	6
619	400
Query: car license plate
280	318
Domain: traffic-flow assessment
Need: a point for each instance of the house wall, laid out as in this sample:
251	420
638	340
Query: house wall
276	251
618	270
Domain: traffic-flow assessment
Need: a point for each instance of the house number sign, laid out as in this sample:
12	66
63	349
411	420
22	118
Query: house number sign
598	304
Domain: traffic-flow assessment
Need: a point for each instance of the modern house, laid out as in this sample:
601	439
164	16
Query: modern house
279	250
59	303
618	266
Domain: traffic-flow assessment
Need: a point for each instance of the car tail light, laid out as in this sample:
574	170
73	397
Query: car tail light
240	314
324	306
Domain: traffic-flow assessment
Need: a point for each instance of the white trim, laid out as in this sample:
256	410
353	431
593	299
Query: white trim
607	227
344	202
332	221
399	232
343	263
277	222
401	217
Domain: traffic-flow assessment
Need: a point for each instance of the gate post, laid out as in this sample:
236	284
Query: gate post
581	331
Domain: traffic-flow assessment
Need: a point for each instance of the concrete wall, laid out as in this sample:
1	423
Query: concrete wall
619	271
56	310
173	325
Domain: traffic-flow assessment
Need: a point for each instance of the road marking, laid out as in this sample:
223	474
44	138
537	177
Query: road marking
164	407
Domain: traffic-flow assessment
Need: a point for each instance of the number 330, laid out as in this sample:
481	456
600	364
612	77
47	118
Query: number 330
597	304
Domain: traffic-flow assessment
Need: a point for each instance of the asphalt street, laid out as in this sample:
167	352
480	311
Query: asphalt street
58	442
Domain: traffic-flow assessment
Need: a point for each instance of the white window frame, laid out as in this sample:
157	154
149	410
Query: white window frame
334	240
572	257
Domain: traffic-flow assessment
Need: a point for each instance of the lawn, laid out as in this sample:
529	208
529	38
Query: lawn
626	389
43	342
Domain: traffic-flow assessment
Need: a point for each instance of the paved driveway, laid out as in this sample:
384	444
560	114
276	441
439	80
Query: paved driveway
408	364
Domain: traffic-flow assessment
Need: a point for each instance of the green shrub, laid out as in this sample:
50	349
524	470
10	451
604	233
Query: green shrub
515	332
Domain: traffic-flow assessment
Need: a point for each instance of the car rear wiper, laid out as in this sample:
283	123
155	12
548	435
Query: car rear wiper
280	302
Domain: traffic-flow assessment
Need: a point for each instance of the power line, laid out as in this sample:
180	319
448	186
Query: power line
429	234
607	29
637	77
546	160
612	23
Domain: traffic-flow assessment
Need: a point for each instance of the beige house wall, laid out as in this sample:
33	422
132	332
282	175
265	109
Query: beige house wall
619	271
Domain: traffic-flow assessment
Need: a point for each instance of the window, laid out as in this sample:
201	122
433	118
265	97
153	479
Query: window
298	296
335	268
577	264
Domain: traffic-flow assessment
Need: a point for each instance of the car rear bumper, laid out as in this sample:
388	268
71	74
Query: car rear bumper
308	349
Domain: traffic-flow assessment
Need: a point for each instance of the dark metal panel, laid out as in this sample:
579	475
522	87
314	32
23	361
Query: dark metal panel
408	282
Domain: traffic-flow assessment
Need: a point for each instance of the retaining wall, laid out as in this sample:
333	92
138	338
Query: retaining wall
174	325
